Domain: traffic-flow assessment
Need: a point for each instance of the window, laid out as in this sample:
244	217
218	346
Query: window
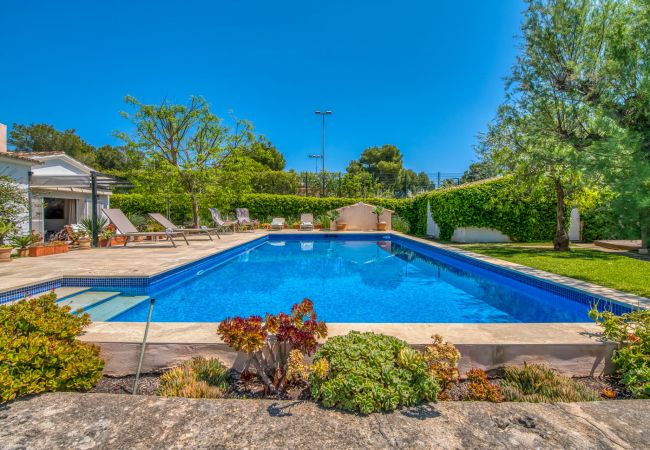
54	208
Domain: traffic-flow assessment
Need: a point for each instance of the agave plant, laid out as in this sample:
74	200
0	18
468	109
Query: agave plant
86	225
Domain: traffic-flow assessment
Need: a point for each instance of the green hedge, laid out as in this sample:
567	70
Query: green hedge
261	206
494	204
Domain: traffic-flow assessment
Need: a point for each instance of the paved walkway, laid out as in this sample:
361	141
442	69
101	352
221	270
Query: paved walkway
138	259
68	420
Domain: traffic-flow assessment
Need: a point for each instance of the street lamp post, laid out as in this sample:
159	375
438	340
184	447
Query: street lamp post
323	114
315	157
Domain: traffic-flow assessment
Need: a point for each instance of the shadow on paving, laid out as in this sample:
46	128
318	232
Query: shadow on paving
70	420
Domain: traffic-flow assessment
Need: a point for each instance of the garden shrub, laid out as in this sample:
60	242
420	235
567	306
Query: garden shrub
538	383
269	342
497	204
261	206
39	351
631	331
479	387
442	358
196	378
368	372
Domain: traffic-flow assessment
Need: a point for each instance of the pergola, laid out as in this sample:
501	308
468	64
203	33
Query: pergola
90	184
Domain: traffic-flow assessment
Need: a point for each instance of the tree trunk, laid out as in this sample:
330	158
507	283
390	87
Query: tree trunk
195	211
645	232
561	240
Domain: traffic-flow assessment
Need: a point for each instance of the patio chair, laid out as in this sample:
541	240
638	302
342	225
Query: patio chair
278	223
307	221
165	222
243	219
128	230
221	224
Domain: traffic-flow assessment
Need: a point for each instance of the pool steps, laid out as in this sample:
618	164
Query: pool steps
100	305
117	305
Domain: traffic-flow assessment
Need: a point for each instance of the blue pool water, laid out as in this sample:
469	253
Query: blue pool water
356	280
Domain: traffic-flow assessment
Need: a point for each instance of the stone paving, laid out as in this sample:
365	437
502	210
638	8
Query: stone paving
69	420
137	259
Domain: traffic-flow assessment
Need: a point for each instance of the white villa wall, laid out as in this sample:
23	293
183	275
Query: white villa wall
359	217
476	234
57	166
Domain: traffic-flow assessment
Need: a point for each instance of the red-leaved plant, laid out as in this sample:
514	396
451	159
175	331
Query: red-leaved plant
268	341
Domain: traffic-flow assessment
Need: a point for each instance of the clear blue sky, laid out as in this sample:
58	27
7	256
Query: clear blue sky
425	76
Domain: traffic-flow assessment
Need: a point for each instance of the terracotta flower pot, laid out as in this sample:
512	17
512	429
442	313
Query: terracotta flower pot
45	250
341	226
84	244
22	252
381	226
5	254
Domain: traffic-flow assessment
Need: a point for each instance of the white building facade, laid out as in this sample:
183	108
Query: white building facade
58	187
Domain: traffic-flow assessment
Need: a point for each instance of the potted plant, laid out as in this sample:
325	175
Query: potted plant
296	225
48	248
23	243
86	226
337	223
83	241
378	211
6	228
106	237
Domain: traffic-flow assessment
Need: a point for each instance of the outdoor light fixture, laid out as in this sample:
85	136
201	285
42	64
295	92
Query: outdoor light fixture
323	114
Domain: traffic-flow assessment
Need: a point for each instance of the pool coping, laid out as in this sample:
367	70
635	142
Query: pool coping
625	299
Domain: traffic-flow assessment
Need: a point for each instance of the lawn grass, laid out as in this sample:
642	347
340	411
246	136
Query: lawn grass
606	269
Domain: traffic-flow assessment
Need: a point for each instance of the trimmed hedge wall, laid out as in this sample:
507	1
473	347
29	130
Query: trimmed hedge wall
261	206
494	204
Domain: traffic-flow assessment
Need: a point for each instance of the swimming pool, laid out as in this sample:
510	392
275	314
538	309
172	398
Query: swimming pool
356	278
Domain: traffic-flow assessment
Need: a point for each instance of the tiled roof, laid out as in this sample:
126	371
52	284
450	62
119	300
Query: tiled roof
22	156
34	154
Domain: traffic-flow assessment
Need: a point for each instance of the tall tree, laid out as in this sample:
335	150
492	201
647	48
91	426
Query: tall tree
42	137
621	91
544	131
189	139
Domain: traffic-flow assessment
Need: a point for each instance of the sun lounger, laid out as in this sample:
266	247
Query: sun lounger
128	230
221	224
307	221
165	222
243	219
278	223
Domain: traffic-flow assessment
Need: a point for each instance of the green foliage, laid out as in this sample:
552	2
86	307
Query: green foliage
494	204
196	378
24	241
399	224
604	268
86	225
537	383
631	331
13	206
39	351
259	205
369	372
479	387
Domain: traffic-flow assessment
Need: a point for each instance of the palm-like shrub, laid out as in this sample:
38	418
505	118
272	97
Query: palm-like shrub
538	383
39	351
368	372
196	378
